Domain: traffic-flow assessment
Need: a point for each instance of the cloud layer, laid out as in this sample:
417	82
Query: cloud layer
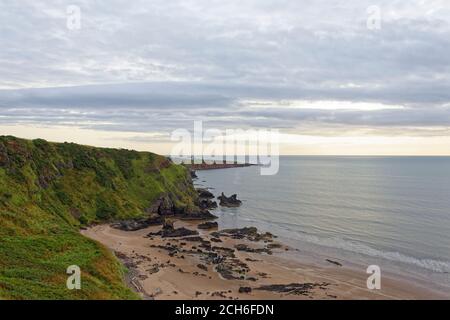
152	66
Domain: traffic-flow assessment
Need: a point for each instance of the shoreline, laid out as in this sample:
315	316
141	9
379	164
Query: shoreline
252	266
402	273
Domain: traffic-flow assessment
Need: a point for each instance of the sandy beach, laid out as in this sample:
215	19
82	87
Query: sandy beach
221	265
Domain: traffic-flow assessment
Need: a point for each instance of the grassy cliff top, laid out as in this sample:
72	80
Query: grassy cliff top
48	190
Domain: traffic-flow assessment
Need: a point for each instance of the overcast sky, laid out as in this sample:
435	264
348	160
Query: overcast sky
136	70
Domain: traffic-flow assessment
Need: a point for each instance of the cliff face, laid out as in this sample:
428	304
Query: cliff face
49	190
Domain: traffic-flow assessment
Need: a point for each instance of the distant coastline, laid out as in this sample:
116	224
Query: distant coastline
214	166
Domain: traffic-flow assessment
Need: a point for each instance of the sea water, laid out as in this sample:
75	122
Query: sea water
389	211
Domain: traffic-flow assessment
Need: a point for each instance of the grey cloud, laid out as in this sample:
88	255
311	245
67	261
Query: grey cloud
158	65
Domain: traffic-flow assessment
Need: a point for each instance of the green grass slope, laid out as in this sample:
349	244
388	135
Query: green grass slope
49	190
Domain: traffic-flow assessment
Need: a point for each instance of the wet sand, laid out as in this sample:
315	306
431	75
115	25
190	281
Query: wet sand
213	268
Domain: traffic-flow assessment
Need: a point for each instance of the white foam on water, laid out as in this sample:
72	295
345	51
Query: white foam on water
360	248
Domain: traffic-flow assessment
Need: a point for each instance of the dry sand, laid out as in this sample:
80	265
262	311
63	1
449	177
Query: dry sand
158	272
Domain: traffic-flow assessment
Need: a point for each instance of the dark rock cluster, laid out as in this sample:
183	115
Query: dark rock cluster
138	224
164	207
208	225
193	174
169	231
293	288
245	290
205	201
246	248
205	194
207	204
249	233
230	202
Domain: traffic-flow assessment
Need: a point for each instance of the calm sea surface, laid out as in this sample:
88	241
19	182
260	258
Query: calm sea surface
390	211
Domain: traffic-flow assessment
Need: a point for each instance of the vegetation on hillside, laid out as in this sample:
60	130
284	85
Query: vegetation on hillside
49	190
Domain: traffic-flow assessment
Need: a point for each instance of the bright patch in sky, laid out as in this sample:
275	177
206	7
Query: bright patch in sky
135	71
320	105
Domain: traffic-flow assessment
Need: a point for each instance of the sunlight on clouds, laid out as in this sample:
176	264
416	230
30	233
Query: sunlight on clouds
289	143
319	105
137	70
365	145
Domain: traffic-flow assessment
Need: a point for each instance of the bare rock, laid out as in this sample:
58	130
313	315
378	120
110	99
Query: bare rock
168	231
204	193
292	288
231	202
138	224
245	290
207	204
334	262
208	225
202	266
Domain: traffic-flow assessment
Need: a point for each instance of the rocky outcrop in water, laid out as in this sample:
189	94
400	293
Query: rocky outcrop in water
193	174
205	201
230	202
